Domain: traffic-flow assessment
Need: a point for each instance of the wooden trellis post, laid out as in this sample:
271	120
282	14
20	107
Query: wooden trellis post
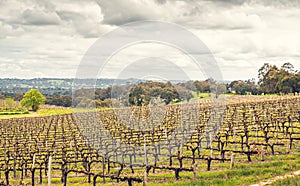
49	170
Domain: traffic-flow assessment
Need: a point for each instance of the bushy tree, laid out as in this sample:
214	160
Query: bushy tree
278	80
9	102
202	86
243	87
18	96
142	93
33	99
60	100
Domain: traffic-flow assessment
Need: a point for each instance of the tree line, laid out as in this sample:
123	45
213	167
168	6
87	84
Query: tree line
271	80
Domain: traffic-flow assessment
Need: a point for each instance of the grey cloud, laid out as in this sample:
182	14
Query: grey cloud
128	11
69	16
38	17
191	13
29	12
236	31
161	1
9	30
47	5
274	3
83	25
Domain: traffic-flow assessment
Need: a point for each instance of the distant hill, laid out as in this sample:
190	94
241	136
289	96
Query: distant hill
52	86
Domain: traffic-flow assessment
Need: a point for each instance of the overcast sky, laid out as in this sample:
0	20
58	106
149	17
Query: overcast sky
41	38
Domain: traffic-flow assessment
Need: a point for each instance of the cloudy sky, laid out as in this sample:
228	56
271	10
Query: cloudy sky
40	38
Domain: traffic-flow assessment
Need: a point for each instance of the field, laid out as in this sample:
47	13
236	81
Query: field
247	140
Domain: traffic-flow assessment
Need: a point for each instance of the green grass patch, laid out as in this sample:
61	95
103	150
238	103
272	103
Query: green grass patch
242	174
291	181
50	112
13	113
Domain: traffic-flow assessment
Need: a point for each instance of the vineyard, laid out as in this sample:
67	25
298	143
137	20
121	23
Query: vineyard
69	146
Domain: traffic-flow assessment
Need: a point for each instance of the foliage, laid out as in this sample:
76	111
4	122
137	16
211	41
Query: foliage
18	97
9	102
14	113
9	109
60	100
272	80
203	86
138	95
12	108
142	93
33	99
276	80
199	86
244	87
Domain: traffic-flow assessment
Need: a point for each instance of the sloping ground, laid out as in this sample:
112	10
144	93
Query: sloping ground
291	181
278	178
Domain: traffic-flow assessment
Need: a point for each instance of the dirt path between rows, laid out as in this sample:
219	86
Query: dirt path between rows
272	180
